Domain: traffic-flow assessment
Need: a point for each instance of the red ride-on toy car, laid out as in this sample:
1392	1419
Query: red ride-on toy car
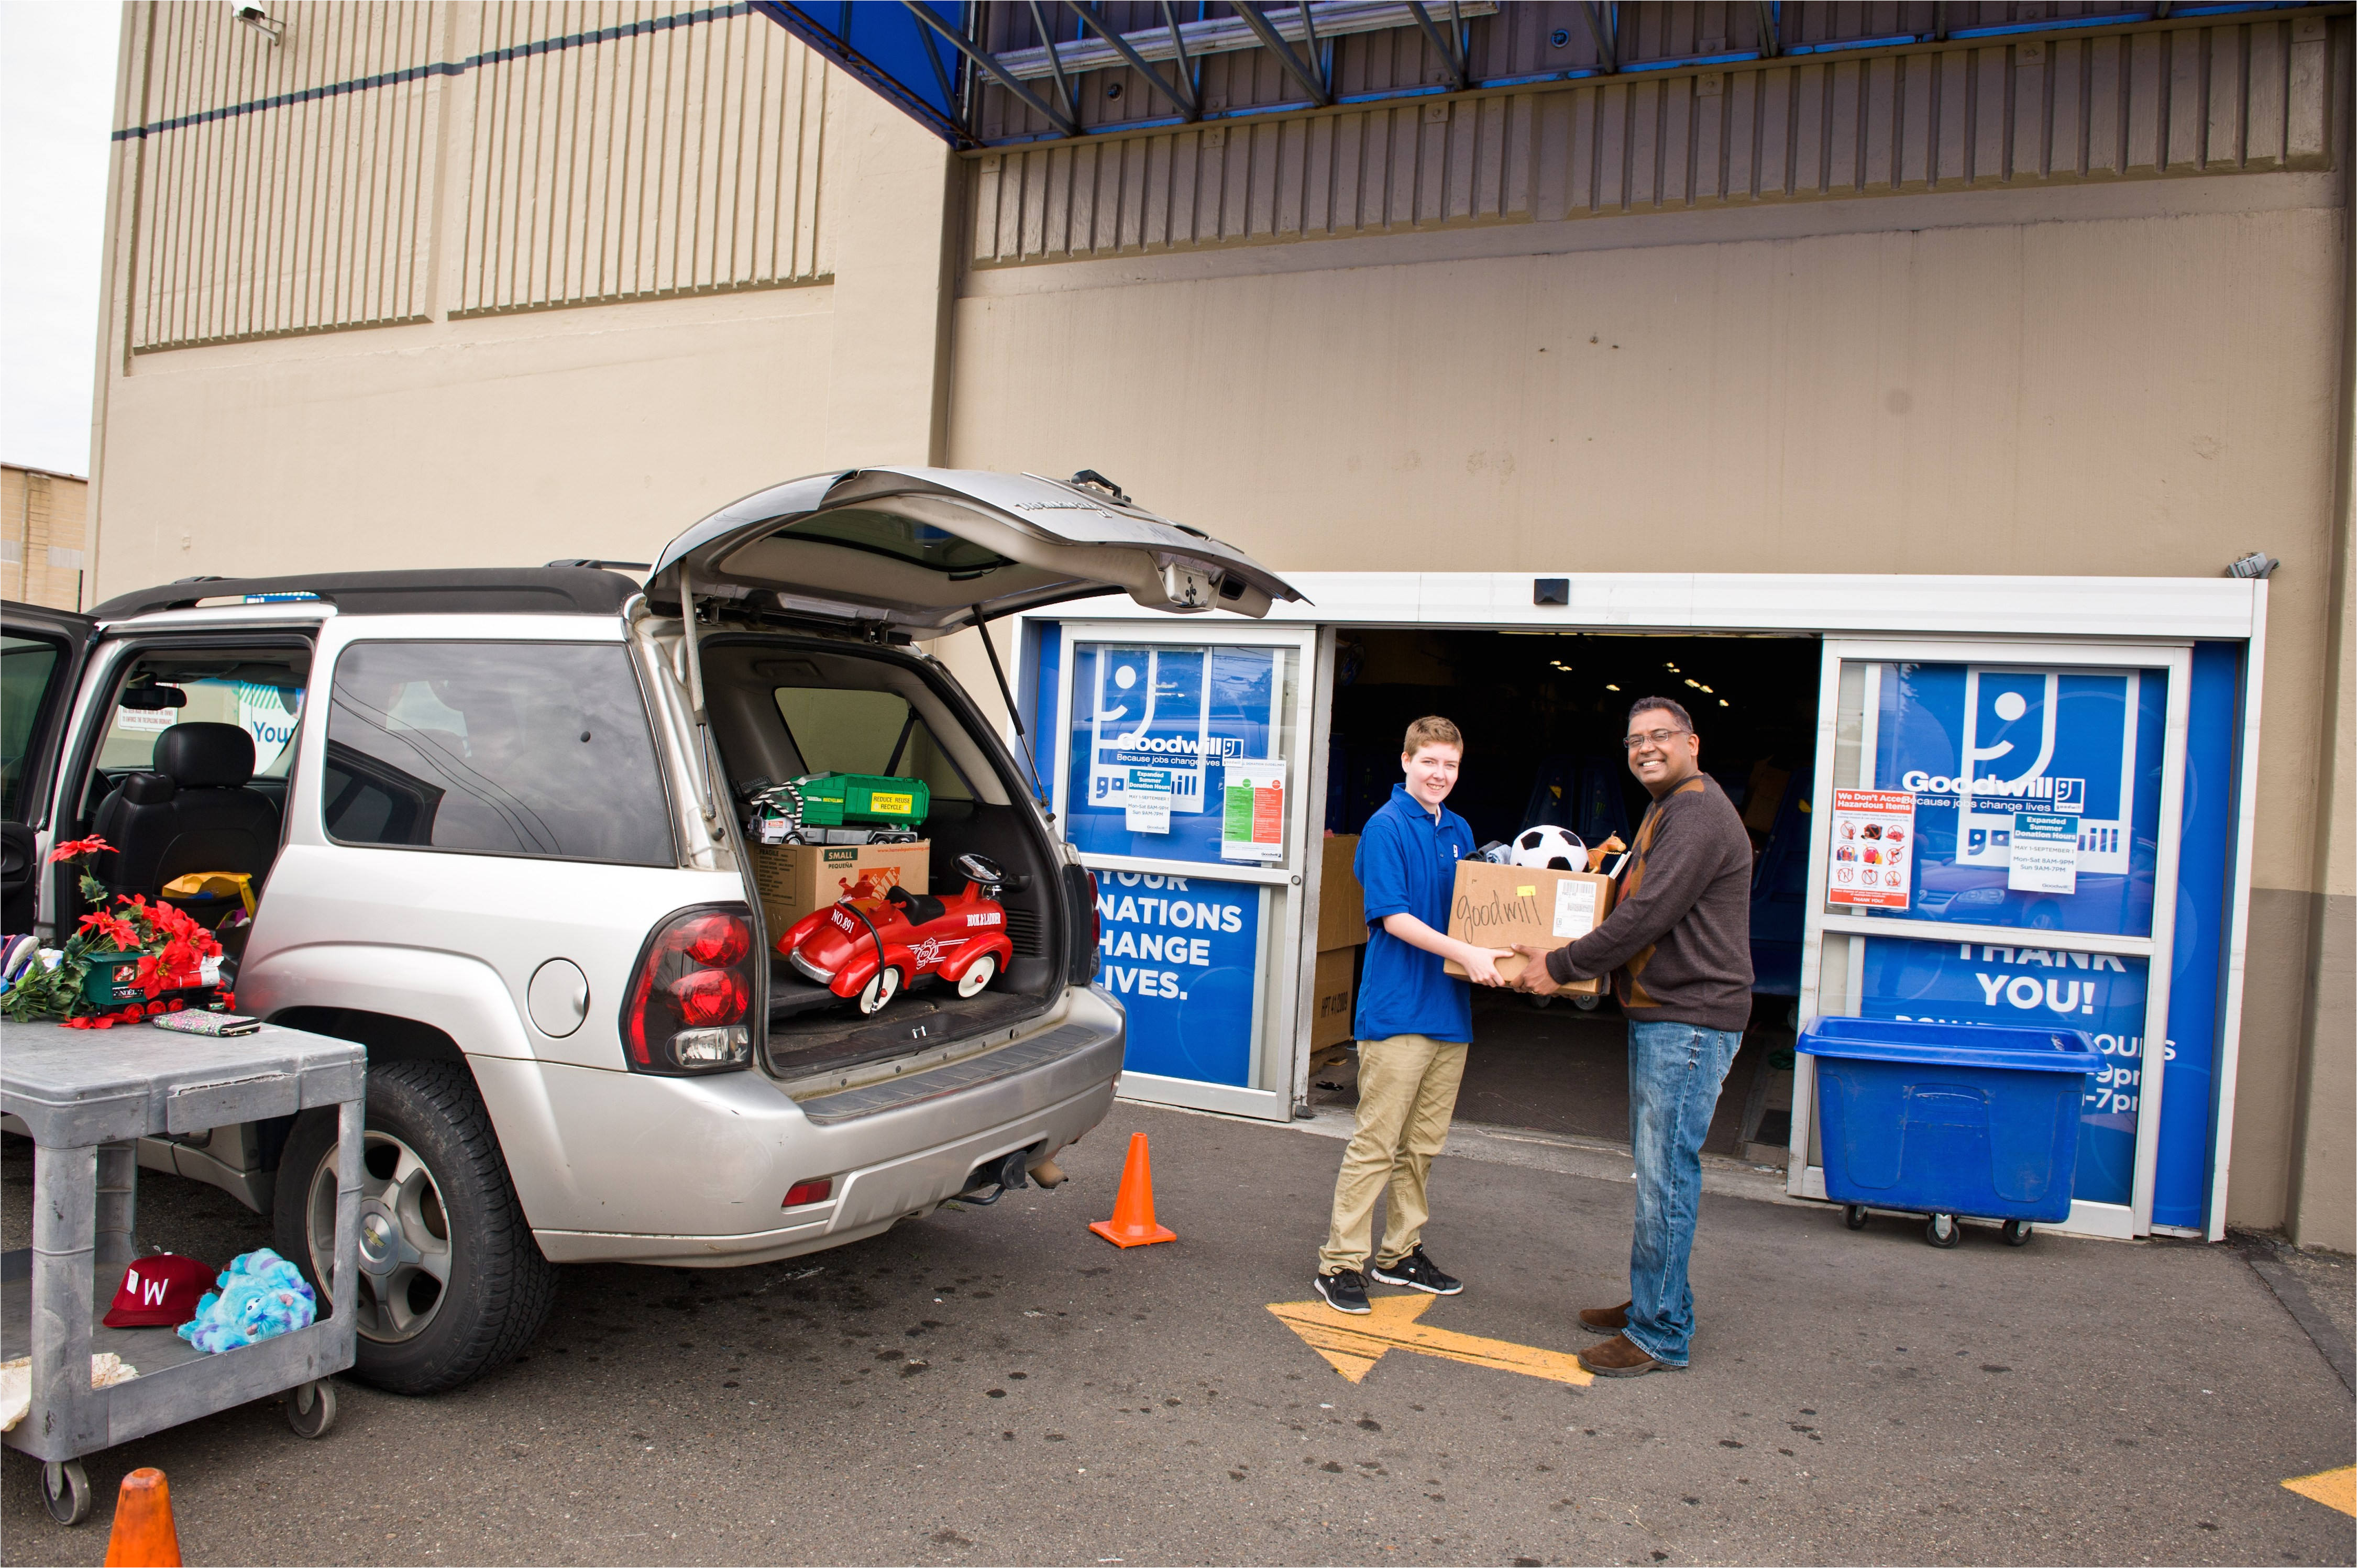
870	947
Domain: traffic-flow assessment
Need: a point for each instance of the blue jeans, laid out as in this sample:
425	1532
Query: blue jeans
1674	1071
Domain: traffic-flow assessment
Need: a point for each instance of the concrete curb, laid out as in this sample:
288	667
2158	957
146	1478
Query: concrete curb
2264	1254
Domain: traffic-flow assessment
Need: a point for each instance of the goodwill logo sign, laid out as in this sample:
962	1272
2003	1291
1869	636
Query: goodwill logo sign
2004	741
1181	953
2098	993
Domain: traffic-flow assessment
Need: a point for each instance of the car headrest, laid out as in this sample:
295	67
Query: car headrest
205	757
149	789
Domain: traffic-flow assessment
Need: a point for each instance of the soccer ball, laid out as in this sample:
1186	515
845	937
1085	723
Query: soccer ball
1550	848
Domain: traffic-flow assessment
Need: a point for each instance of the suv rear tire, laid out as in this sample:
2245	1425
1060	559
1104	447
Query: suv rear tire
452	1284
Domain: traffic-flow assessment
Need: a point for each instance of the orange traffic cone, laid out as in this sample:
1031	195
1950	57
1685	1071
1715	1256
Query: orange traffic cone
143	1535
1132	1224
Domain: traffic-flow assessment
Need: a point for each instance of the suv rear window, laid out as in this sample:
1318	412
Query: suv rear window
494	748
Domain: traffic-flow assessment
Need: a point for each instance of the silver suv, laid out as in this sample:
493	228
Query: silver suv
508	854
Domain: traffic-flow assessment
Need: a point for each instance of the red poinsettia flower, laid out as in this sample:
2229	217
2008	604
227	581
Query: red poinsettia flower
124	935
76	848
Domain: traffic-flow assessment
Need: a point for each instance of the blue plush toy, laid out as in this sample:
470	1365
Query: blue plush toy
262	1296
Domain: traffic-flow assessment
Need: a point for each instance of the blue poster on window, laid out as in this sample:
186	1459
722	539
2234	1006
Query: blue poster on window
1178	715
1976	745
1181	953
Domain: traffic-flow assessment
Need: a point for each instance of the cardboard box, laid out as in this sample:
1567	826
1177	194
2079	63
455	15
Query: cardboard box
1342	902
1336	996
1498	906
795	879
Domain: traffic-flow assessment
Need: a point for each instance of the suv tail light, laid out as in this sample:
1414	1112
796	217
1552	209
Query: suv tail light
1080	886
691	994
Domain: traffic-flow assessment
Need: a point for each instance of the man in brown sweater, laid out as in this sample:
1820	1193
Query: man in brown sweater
1678	948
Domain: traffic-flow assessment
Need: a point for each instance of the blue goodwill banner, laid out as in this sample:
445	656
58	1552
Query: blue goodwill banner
1181	953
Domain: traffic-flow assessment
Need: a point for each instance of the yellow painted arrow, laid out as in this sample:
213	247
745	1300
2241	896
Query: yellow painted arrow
2333	1489
1353	1345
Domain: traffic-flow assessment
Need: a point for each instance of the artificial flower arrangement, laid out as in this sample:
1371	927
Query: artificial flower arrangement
118	966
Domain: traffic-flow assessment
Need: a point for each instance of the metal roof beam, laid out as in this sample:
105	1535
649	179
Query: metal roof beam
983	58
1319	93
1183	95
1604	27
1454	59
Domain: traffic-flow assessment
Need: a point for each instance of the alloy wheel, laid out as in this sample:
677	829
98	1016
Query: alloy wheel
405	1242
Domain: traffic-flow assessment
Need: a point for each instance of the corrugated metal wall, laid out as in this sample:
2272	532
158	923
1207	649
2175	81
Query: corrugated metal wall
2162	102
678	160
603	152
310	215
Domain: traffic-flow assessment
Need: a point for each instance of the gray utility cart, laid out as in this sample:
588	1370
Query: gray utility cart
85	1097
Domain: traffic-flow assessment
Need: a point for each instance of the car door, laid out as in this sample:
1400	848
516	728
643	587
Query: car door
42	654
922	552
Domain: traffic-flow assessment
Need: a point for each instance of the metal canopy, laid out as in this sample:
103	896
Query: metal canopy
1004	72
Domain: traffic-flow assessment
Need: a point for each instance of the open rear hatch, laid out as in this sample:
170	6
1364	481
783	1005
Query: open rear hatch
890	555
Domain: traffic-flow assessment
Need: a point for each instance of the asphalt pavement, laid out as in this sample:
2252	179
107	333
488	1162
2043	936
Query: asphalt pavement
998	1385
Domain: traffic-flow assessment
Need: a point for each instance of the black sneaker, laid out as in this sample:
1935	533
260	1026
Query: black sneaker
1417	1271
1345	1289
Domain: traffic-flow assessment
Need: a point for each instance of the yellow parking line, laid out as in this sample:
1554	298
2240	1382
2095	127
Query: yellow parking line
2333	1489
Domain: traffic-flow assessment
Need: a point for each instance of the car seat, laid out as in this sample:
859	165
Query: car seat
193	813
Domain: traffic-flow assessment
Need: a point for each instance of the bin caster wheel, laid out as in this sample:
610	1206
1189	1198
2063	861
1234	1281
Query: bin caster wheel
1536	1000
311	1409
1854	1216
1587	1004
65	1488
1941	1231
2016	1232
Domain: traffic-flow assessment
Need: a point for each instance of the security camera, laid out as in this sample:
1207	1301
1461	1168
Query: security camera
254	17
2257	563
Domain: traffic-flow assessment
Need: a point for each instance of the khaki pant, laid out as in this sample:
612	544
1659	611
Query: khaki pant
1407	1091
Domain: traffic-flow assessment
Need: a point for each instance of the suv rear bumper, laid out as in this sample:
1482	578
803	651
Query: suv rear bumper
919	1144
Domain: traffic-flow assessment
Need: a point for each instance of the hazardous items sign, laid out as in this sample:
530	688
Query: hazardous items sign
1871	857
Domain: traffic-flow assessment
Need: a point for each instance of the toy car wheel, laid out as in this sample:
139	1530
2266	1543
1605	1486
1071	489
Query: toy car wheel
1941	1231
311	1408
1854	1216
881	987
65	1492
978	974
2016	1232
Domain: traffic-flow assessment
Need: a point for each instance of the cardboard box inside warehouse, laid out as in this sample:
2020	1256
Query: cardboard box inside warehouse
1542	717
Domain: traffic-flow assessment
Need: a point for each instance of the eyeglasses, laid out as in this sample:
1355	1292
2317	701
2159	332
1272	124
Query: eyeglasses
1657	736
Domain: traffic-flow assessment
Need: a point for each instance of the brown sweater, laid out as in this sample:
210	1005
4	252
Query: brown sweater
1678	941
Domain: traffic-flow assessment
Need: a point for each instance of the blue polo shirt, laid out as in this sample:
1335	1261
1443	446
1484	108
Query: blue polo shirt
1407	865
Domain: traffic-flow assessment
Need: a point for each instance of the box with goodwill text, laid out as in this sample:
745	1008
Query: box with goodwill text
1335	997
795	879
1498	906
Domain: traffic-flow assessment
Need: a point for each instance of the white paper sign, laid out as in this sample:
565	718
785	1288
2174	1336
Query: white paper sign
2045	853
1251	823
1145	800
1574	909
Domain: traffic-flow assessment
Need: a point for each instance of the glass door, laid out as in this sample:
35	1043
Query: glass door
1182	773
1986	848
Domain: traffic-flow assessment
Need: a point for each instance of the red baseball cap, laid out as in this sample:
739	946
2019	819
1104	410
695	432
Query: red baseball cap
160	1292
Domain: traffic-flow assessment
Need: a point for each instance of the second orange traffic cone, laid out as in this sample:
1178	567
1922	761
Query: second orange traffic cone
1132	1224
142	1536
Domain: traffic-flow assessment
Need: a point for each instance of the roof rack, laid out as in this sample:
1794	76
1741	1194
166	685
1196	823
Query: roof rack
477	590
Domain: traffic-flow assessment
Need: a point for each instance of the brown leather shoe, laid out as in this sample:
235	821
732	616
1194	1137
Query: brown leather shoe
1605	1319
1619	1357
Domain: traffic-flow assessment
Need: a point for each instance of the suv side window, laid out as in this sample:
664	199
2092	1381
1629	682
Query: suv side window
519	749
25	666
866	731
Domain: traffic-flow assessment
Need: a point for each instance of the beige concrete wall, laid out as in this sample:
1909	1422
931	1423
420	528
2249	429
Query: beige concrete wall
42	542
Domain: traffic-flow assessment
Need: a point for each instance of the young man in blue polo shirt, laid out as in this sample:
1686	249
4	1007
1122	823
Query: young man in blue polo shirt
1414	1024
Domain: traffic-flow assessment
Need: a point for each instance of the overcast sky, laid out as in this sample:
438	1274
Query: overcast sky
56	96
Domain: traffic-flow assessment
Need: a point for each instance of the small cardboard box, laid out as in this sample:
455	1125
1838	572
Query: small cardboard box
1336	995
1342	902
795	879
1498	906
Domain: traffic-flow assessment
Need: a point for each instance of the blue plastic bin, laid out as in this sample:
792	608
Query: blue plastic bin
1950	1118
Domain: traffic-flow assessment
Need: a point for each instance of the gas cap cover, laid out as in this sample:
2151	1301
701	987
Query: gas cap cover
558	998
